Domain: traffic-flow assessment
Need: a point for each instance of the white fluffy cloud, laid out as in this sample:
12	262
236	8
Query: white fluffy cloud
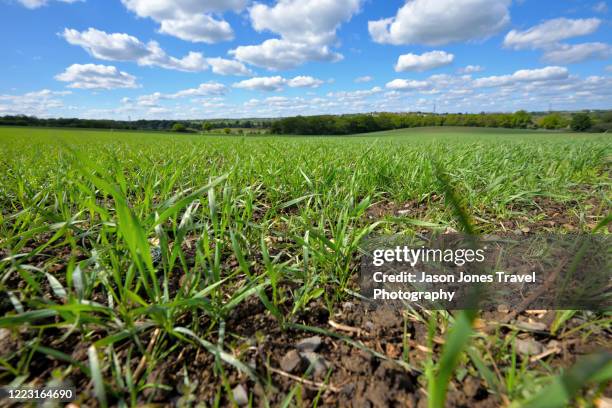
303	81
548	35
114	47
153	100
124	47
166	9
92	76
307	30
38	103
407	85
352	95
470	69
190	20
310	21
441	22
423	62
279	54
550	32
192	62
198	28
552	73
223	66
205	89
525	89
33	4
569	54
276	83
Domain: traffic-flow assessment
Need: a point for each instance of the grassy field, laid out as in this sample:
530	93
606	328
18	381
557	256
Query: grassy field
181	268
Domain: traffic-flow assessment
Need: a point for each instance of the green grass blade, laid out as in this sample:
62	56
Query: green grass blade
96	376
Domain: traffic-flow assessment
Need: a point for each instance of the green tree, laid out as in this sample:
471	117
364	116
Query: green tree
521	119
207	126
179	127
553	121
227	131
581	122
602	122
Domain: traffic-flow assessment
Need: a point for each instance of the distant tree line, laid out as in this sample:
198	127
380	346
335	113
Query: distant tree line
363	123
147	125
595	121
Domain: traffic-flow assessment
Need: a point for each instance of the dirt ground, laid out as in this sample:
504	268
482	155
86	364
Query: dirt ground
356	357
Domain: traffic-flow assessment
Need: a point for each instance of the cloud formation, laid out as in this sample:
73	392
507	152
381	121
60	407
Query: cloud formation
307	30
569	54
223	66
548	35
441	22
38	103
527	89
204	89
423	62
190	20
92	76
551	73
407	85
34	4
470	69
277	83
550	32
154	100
124	47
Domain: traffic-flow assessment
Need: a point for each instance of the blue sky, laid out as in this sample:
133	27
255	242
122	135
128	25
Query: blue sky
202	59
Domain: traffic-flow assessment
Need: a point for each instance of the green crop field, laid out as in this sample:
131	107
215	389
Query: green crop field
149	267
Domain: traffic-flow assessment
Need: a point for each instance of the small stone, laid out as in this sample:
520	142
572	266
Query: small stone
387	318
392	351
528	347
5	334
348	389
502	308
471	386
318	363
290	361
531	326
369	326
355	364
240	395
309	344
366	355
